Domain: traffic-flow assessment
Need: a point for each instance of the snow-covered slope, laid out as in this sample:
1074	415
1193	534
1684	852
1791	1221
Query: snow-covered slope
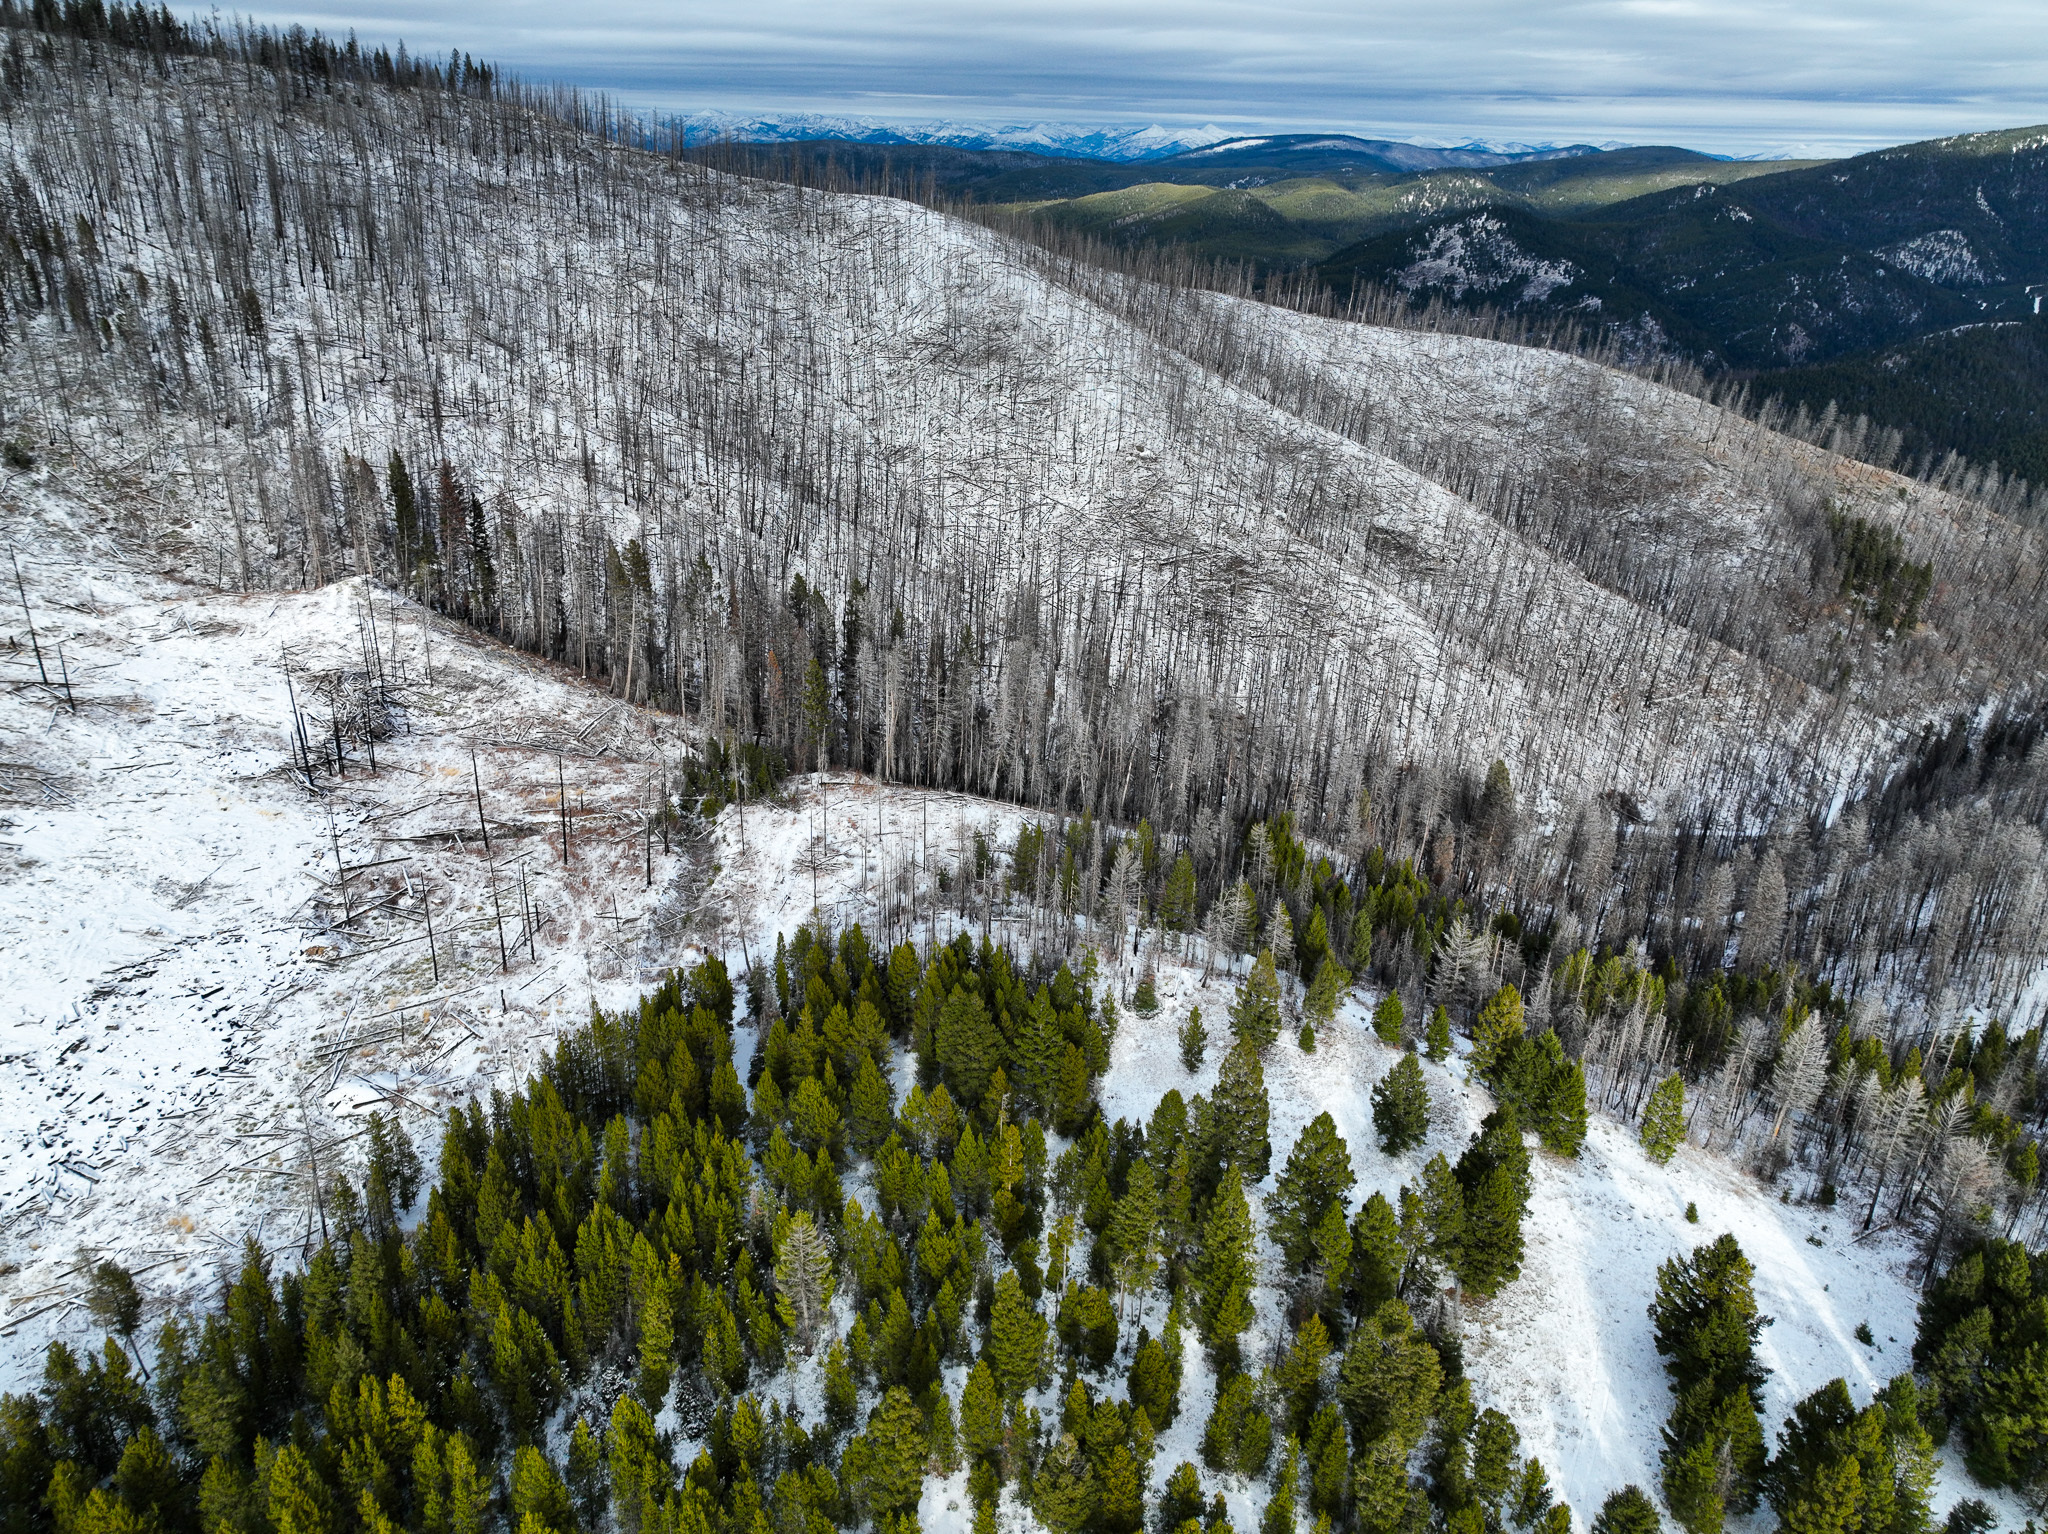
194	1016
764	381
193	1024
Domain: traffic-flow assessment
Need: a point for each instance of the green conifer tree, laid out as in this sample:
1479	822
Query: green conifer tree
870	1114
1325	991
1224	1275
981	1412
1389	1380
1664	1120
1133	1234
1494	1177
1151	1385
1177	899
1360	956
1400	1106
1388	1018
1436	1038
970	1047
1255	1015
1377	1257
1016	1337
1194	1041
1317	1176
1239	1114
1279	1515
1499	1027
894	1461
1628	1511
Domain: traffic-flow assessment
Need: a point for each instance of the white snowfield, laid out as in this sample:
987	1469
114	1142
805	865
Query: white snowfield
191	1024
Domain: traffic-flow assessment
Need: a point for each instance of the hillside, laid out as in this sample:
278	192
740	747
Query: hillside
622	779
249	1024
1081	538
1980	390
1793	268
1293	204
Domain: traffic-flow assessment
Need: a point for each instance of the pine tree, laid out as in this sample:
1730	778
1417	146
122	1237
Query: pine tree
1329	1466
970	1047
1332	980
1120	1493
1498	1029
1663	1125
1494	1446
1628	1511
1433	1230
1181	1501
1064	1493
1016	1337
1361	944
1387	1018
1400	1106
1494	1177
1151	1385
1255	1016
842	1391
1194	1041
1133	1234
537	1493
1560	1107
1223	1273
896	1448
1040	1050
899	988
1333	1251
1315	943
1546	1088
1299	1377
1436	1038
981	1412
1177	899
1240	1113
870	1114
657	1341
1238	1435
1279	1514
1706	1324
1317	1175
1389	1380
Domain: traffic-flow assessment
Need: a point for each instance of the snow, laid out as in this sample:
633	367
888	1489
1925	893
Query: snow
184	1007
186	1020
1566	1351
174	1028
1115	142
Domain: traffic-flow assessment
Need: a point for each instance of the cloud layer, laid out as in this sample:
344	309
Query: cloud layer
1733	76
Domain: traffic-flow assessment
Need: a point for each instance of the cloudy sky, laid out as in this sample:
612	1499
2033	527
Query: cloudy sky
1731	76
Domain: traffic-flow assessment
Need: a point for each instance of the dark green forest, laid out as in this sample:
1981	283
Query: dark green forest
635	1251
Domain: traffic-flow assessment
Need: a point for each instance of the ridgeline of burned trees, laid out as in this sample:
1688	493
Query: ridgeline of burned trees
987	515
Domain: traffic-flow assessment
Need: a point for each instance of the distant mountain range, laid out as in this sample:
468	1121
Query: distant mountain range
1120	143
1904	283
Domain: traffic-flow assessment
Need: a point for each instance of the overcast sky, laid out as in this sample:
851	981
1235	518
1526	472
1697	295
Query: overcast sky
1731	76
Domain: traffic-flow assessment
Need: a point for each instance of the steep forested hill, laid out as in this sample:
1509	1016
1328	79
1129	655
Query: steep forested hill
752	716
